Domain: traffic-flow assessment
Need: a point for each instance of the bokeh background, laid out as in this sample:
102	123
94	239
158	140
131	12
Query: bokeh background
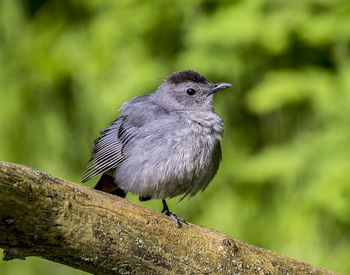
67	66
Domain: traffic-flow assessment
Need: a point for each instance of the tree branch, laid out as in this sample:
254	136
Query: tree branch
42	215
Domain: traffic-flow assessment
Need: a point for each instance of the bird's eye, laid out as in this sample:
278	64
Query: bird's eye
191	91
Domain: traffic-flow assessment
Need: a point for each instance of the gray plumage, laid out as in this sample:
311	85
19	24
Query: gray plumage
165	143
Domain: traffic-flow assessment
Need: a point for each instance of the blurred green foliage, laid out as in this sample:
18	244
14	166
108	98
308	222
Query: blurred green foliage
67	66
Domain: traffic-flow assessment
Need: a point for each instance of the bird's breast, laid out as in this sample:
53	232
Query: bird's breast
195	144
181	157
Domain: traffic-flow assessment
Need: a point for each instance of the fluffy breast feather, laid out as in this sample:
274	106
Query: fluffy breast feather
188	155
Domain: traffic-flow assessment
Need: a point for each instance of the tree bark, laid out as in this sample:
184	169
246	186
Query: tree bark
42	215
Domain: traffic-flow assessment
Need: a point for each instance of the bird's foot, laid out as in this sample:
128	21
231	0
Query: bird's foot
175	218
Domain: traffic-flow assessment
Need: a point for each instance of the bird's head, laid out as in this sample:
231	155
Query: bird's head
188	90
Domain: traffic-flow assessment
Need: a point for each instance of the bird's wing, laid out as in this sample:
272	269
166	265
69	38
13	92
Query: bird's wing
112	147
107	152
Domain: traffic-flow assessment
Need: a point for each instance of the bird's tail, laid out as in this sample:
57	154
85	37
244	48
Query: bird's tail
106	184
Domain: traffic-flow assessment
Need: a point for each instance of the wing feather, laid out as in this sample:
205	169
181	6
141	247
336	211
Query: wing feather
111	147
107	152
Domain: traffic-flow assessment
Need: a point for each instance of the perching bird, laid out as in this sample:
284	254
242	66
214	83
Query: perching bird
164	144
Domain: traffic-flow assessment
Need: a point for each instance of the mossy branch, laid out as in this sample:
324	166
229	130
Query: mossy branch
42	215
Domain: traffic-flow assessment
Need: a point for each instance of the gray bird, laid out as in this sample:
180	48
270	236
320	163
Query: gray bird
163	144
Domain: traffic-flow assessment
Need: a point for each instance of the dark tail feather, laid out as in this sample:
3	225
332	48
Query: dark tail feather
106	184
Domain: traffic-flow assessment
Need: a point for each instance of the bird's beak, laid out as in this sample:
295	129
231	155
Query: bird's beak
218	87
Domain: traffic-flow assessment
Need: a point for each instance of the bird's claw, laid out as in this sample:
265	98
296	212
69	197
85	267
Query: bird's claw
175	218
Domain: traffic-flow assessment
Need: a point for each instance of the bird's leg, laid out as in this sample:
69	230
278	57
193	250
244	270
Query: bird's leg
175	218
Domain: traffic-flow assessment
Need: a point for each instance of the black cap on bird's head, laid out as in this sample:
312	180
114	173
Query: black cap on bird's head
191	90
188	75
